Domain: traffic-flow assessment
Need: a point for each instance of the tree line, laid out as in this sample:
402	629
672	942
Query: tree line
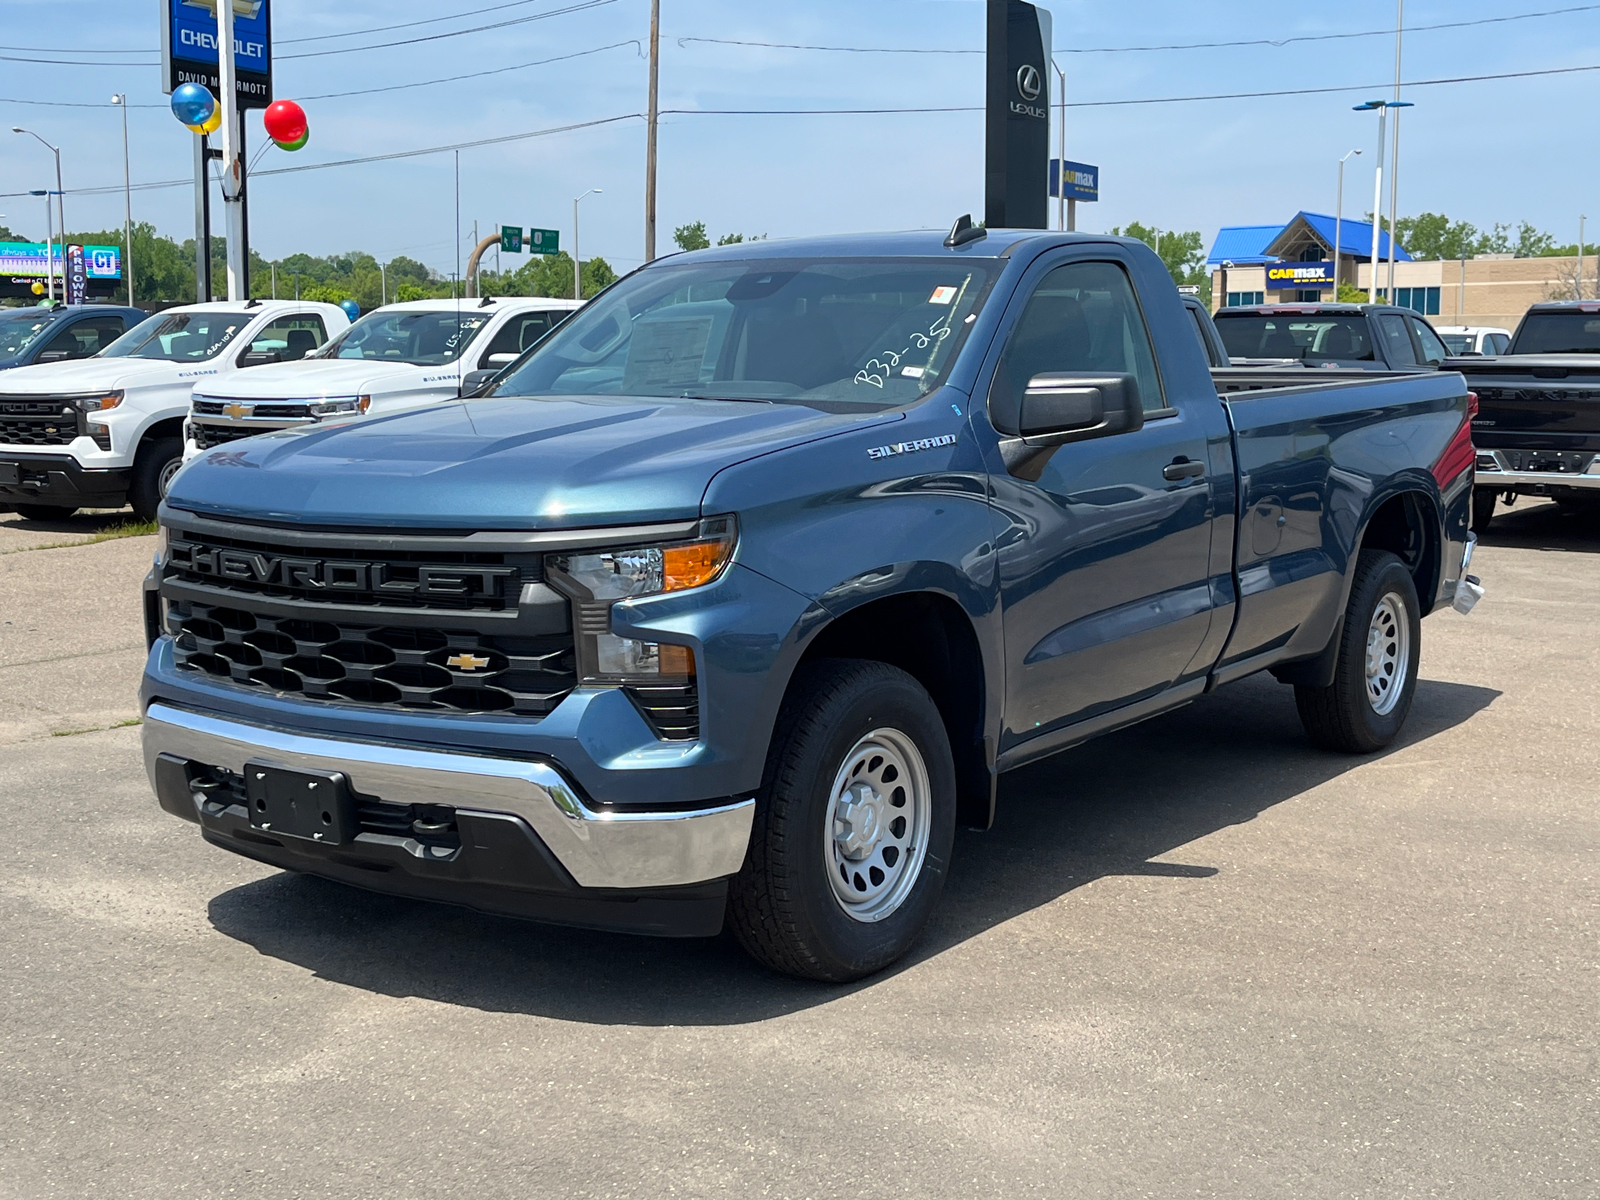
163	272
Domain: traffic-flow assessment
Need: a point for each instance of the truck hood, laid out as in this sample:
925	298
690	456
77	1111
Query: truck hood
93	374
512	463
316	379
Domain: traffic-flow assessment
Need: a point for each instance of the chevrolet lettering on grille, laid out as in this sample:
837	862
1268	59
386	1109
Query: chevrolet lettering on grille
336	576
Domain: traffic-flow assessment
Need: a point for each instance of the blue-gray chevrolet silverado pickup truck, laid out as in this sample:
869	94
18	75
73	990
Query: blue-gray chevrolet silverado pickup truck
739	591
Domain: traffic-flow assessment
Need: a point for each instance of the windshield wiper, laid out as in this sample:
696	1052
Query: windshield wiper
734	399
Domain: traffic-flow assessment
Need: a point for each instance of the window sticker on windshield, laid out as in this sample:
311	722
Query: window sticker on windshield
942	295
884	364
666	354
911	372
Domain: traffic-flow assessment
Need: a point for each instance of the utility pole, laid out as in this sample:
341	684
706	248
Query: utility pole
1394	168
1061	160
121	101
232	167
651	121
1581	220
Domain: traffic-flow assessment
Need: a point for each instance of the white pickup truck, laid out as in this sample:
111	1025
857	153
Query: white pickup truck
396	357
103	431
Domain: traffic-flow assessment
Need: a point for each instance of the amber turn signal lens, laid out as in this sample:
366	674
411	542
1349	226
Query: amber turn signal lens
676	660
693	565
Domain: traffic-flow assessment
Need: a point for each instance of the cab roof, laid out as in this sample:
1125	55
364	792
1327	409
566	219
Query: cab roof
469	304
911	243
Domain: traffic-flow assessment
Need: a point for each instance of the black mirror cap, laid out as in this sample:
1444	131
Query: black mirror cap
475	383
1072	406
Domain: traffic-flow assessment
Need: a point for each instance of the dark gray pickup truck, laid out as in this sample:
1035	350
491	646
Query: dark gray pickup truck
1356	337
1537	430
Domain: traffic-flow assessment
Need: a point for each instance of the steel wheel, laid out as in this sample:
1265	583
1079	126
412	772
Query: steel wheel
877	823
164	480
1388	654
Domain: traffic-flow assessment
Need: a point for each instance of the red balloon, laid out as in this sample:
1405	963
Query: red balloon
285	121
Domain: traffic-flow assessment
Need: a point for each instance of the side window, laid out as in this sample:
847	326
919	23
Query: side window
1497	343
1433	351
1081	318
287	339
82	339
515	336
1397	347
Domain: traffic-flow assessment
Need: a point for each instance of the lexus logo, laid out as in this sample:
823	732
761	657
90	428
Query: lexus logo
1029	84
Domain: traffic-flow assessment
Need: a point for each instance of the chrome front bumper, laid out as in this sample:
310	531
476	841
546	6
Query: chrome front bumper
599	848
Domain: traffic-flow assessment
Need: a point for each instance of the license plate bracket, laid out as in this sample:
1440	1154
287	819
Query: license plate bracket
10	474
316	806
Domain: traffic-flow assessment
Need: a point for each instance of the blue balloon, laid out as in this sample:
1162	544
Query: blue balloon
192	104
351	308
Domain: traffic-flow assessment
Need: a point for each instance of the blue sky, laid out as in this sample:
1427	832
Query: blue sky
1503	150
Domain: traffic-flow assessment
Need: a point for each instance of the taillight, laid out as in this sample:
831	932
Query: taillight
1472	405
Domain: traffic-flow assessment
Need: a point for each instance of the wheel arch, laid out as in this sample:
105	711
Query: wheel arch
930	636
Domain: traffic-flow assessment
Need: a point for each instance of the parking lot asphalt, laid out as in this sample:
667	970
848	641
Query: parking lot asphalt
1195	958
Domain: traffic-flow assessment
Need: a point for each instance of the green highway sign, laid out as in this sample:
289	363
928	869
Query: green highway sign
511	239
544	241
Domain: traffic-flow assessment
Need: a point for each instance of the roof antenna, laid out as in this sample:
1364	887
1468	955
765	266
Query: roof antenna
485	302
964	231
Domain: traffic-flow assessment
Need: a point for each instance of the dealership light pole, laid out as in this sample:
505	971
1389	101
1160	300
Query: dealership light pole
1394	165
121	101
1338	220
49	244
1061	161
577	263
61	214
1382	107
232	165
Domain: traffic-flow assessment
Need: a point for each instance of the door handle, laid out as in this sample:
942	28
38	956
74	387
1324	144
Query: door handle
1182	468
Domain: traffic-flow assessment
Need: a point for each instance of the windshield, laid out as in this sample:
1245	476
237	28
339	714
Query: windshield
1457	343
179	337
1558	333
849	334
19	330
1331	337
421	338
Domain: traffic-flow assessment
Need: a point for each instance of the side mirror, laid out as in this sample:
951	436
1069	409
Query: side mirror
47	356
473	383
1069	407
259	358
500	360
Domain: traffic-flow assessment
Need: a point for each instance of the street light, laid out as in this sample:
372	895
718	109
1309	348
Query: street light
121	101
61	213
49	249
1382	107
577	269
1226	263
1338	218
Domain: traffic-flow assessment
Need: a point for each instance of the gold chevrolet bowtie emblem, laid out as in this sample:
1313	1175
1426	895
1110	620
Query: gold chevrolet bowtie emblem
235	411
466	662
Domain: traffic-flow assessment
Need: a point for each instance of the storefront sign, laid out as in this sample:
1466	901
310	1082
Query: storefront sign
189	48
1286	276
1083	181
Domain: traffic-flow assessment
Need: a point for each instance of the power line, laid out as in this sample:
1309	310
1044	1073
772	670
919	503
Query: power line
70	103
434	37
1310	37
474	75
406	24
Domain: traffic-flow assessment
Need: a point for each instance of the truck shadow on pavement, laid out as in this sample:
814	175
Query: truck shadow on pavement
1108	808
1536	525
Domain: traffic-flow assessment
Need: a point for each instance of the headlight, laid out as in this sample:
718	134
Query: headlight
344	406
597	581
163	544
99	402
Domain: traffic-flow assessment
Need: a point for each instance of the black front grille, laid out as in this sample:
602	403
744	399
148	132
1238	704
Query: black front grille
37	423
453	581
412	668
207	437
267	410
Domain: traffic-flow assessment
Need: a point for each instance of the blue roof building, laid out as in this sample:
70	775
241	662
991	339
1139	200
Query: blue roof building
1250	263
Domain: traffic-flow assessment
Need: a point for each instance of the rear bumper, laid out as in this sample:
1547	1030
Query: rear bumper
1493	471
61	480
528	843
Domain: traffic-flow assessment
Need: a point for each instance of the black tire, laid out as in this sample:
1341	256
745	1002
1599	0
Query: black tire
782	904
1483	502
44	512
1342	716
150	471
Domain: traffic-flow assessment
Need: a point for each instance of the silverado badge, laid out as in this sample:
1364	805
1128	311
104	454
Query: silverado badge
466	662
